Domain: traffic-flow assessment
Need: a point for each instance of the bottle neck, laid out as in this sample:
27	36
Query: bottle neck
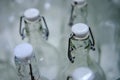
27	69
34	32
80	14
80	51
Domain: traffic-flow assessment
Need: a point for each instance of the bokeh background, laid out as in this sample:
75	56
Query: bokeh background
103	18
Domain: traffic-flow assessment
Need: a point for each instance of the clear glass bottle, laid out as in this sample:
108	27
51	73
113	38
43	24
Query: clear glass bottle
106	29
47	55
78	12
26	63
78	52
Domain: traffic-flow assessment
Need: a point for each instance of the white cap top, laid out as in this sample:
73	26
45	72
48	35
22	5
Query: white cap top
80	30
80	3
83	73
31	14
23	51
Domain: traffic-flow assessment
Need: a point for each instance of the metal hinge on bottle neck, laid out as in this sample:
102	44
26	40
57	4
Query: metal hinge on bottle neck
71	47
31	73
69	77
92	41
71	16
22	29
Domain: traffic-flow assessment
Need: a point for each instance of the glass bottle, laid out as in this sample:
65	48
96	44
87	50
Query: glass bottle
37	34
26	63
78	53
78	12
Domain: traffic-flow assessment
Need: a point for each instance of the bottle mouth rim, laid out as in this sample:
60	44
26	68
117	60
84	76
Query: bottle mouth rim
81	37
32	20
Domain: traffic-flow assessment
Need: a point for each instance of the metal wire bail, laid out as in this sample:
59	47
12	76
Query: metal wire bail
21	30
46	28
70	48
92	41
31	73
71	16
69	77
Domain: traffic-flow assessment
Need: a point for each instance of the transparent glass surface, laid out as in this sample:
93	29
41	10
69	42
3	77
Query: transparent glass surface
47	55
27	69
103	18
80	52
78	14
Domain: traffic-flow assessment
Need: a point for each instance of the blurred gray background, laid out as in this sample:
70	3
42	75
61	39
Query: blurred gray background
103	18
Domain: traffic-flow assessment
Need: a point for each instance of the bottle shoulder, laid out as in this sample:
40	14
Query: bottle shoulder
93	66
97	69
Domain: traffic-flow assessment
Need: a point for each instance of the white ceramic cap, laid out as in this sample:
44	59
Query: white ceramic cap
80	30
23	51
31	14
83	73
80	3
